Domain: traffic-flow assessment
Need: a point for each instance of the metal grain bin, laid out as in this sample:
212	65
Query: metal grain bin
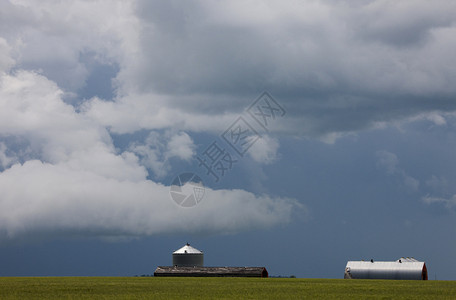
188	256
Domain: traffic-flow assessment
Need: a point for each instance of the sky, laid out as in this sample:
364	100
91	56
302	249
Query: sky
318	132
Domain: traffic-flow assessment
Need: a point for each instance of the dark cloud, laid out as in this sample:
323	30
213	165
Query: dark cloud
403	23
101	102
336	67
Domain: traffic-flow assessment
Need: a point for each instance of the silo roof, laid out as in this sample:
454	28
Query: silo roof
187	249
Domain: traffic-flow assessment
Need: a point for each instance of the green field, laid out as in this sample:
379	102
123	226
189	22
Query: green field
219	288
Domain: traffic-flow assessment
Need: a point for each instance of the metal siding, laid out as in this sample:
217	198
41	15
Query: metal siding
385	270
188	260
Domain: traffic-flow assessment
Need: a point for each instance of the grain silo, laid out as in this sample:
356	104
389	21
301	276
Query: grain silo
188	256
403	268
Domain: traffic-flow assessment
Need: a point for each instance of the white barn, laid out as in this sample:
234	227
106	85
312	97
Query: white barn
403	268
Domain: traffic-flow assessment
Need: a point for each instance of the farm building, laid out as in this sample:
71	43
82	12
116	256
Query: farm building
188	261
403	268
212	271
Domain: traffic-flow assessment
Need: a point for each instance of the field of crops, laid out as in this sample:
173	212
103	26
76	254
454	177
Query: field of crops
219	288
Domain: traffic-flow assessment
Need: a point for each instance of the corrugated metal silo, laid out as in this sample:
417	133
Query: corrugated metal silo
188	256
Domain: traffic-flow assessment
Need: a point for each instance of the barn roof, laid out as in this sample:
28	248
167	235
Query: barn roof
212	271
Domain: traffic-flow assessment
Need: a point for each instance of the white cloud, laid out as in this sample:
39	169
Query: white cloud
150	154
411	183
437	118
149	111
52	36
181	145
437	183
31	107
157	150
75	181
264	150
54	199
448	202
387	160
390	163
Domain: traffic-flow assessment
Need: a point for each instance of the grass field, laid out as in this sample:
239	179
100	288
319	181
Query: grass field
219	288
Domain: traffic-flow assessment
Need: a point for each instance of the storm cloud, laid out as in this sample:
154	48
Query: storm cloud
175	69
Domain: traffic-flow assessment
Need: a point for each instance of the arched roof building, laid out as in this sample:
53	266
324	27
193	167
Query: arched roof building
403	268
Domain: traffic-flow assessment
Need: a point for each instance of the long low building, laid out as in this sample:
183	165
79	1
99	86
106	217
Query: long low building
211	272
401	269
